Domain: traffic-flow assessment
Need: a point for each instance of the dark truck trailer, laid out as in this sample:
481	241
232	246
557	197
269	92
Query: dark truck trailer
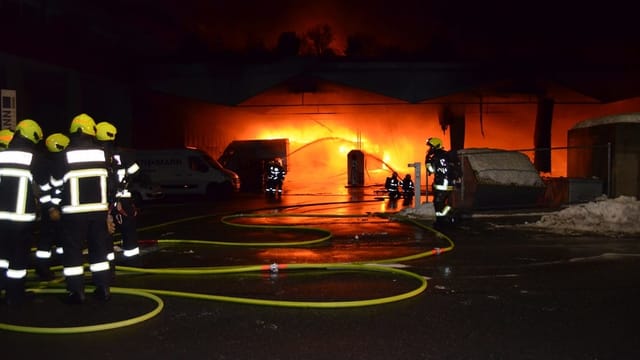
248	158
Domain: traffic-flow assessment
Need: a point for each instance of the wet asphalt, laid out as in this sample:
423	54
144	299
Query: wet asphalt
502	292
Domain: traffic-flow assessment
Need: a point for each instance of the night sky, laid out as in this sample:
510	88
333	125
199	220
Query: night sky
457	30
119	37
475	29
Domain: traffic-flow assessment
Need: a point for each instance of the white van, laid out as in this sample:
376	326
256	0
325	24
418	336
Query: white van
187	171
144	190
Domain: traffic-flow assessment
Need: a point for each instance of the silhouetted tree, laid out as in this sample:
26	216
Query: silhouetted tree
318	39
256	49
193	46
441	48
361	45
288	44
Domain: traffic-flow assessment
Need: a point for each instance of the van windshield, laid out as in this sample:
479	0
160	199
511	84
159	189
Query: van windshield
213	162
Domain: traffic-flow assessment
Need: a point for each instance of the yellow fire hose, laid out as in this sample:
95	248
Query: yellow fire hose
367	266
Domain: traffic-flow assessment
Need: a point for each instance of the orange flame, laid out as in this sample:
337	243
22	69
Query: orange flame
392	135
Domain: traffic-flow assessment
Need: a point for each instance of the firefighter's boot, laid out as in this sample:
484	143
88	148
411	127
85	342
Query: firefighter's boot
16	294
43	270
3	280
102	279
75	290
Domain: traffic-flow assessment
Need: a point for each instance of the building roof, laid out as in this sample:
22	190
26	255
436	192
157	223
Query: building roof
410	82
631	118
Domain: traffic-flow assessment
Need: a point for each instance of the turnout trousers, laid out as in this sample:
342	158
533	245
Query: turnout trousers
85	230
127	224
15	244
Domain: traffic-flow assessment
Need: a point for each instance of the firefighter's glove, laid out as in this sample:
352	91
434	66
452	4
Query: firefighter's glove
111	226
122	212
54	214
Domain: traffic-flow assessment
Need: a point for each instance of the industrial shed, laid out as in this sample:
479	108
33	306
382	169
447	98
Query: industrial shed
607	149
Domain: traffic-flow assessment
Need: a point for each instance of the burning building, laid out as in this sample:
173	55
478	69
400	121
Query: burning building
387	114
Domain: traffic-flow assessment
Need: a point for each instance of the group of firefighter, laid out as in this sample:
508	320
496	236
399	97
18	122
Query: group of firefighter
65	197
440	163
393	185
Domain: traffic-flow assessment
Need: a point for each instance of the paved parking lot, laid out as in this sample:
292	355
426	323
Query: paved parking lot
501	293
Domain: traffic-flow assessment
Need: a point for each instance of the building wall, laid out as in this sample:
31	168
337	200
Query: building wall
324	126
53	95
626	160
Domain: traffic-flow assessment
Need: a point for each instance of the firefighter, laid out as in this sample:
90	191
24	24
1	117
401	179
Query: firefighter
5	138
50	231
82	178
123	209
438	163
392	185
275	175
20	181
408	189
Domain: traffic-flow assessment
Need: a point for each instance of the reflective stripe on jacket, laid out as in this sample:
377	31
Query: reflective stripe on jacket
85	182
438	164
16	181
123	172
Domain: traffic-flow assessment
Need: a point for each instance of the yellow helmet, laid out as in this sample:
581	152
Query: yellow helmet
57	142
29	129
84	123
106	131
5	138
434	142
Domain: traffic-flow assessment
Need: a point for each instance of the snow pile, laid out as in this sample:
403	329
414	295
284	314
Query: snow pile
424	211
620	215
602	216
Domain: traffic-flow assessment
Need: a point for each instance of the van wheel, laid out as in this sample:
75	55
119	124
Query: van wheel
219	191
212	192
226	190
136	197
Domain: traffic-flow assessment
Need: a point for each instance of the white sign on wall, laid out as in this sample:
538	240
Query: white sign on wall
8	109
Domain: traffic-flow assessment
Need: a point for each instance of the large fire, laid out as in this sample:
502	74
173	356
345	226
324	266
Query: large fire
391	136
319	144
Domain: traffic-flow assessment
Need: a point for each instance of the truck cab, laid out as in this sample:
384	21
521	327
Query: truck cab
249	157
